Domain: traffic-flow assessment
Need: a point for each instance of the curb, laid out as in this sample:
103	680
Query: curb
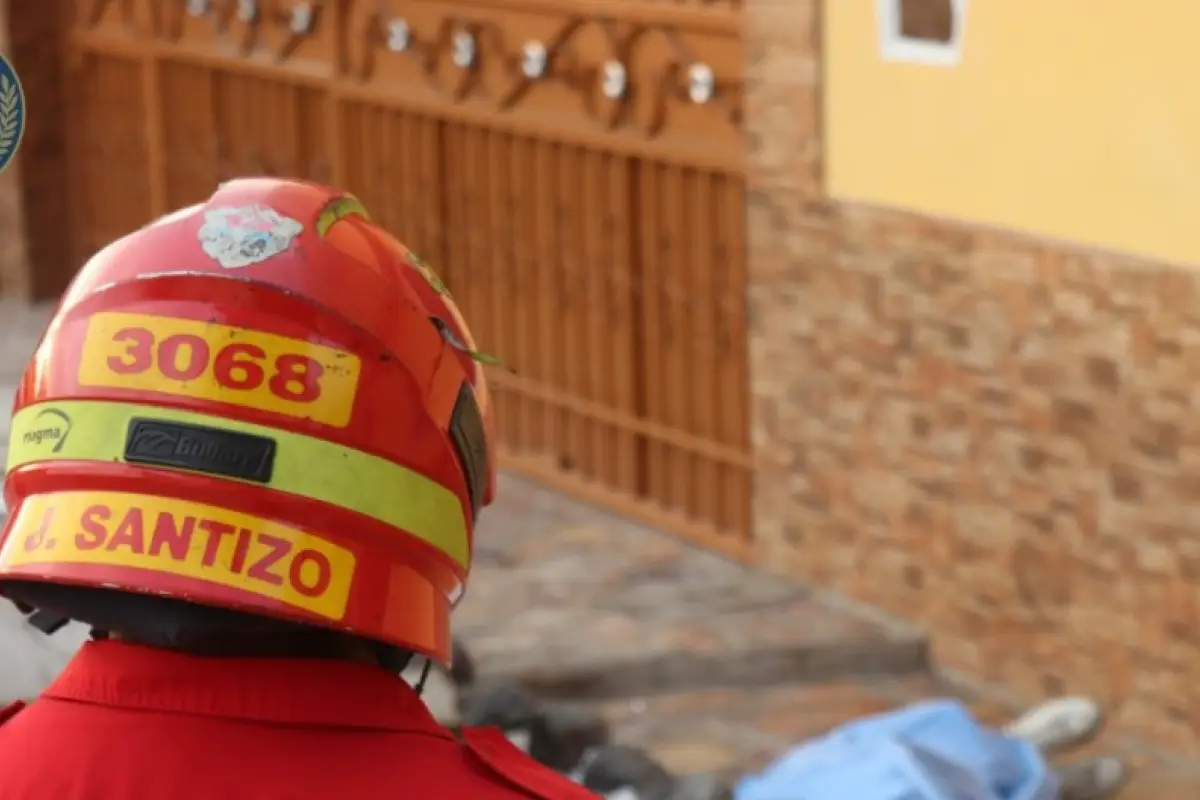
674	672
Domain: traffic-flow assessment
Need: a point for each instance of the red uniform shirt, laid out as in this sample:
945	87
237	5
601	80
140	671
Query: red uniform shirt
125	722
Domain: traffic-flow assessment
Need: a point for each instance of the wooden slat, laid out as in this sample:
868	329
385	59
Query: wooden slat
676	378
545	285
622	276
503	337
154	135
593	363
730	338
188	123
572	311
698	282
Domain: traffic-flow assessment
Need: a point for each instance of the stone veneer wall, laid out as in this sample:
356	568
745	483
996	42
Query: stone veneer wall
992	435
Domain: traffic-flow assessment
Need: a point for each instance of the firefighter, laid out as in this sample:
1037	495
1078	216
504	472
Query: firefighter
250	454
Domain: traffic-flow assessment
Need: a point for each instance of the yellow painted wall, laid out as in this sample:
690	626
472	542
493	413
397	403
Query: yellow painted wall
1077	119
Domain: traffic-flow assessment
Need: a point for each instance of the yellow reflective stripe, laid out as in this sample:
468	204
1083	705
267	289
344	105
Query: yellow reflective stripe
86	430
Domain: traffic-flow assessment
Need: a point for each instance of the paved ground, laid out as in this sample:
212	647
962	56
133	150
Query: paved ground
561	589
693	644
708	665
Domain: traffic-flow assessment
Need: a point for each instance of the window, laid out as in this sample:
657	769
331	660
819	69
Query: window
921	31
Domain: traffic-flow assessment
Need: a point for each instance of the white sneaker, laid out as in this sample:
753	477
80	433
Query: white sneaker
1058	724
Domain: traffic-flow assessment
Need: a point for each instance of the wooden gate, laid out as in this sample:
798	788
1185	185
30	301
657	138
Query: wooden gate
574	167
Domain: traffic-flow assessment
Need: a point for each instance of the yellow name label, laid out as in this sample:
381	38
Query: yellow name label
208	361
190	540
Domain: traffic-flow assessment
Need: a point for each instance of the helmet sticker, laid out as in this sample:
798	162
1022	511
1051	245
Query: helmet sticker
241	236
337	209
427	272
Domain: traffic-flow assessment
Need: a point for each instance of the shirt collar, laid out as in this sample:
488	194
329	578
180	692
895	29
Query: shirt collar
325	692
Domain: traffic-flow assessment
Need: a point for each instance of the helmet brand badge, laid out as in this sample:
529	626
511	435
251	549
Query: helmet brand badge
50	426
200	449
241	236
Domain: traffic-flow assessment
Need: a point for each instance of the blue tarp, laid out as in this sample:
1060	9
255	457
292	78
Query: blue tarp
928	751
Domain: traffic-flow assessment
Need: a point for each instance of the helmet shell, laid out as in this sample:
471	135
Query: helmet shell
263	403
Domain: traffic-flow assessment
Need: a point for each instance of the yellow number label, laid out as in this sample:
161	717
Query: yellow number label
207	361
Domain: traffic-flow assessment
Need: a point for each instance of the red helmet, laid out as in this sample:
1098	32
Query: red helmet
262	403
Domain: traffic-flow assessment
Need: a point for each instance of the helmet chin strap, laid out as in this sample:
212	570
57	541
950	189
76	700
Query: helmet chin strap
45	621
49	623
420	687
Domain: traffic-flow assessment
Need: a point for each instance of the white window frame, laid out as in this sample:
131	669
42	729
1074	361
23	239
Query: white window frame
894	46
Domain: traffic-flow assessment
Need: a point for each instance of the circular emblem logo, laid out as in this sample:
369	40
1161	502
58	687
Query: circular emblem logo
12	112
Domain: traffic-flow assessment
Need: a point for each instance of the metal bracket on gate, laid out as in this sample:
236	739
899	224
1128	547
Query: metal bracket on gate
534	59
247	11
300	20
614	80
399	35
702	83
463	50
